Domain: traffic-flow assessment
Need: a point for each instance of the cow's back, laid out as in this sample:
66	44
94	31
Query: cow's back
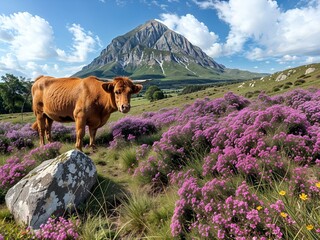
57	97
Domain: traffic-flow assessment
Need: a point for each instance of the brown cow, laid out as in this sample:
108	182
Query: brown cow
86	101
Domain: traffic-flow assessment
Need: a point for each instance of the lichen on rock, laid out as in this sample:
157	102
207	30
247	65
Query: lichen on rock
53	187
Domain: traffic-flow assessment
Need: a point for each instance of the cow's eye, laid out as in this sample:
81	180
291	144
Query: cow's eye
117	92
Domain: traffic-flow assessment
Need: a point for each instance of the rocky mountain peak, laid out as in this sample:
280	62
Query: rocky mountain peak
151	45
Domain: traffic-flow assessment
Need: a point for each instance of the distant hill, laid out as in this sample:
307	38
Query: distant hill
153	51
305	76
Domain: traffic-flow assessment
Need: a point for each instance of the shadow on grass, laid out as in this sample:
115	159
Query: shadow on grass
106	195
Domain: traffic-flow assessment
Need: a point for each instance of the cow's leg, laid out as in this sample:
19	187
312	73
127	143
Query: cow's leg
41	127
93	132
49	122
80	130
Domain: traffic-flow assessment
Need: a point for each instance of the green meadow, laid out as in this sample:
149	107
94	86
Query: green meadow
131	204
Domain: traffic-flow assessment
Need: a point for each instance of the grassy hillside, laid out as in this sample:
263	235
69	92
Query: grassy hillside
250	89
223	167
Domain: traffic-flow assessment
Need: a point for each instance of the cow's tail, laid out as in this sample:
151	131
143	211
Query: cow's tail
35	126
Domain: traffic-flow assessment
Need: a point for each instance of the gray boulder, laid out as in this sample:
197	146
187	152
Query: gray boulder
52	188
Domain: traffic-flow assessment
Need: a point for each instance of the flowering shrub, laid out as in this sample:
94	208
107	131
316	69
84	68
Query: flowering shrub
16	168
240	142
63	133
216	210
131	128
45	152
13	170
297	97
15	136
312	111
214	108
163	117
58	229
174	150
21	136
264	143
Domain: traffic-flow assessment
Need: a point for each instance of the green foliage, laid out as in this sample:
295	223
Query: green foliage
128	158
15	94
276	89
4	143
299	82
134	213
149	139
2	107
2	195
99	228
9	230
154	93
248	94
104	198
193	88
157	95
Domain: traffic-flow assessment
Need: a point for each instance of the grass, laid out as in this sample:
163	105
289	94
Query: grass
120	207
99	227
128	158
134	213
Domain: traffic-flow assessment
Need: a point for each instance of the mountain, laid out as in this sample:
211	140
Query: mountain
153	51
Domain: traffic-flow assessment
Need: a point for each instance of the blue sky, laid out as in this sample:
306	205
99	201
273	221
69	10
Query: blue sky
58	38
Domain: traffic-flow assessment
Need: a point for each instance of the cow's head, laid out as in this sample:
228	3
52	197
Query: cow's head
122	87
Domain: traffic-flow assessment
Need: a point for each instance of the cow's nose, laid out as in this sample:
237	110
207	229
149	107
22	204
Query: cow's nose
125	108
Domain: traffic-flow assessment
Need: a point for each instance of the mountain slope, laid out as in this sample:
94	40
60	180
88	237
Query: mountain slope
154	51
305	76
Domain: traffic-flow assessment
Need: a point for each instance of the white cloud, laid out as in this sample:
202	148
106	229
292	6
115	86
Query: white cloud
248	19
27	45
5	36
205	4
121	2
255	54
194	30
10	61
312	60
274	32
83	43
53	69
29	37
37	69
260	29
298	32
289	58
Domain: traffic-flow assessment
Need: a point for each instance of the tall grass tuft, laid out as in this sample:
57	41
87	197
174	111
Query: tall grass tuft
100	228
128	158
134	213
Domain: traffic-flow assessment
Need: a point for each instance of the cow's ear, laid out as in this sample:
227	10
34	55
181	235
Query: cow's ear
136	88
108	87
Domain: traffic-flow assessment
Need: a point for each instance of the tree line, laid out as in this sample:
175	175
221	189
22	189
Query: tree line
15	94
